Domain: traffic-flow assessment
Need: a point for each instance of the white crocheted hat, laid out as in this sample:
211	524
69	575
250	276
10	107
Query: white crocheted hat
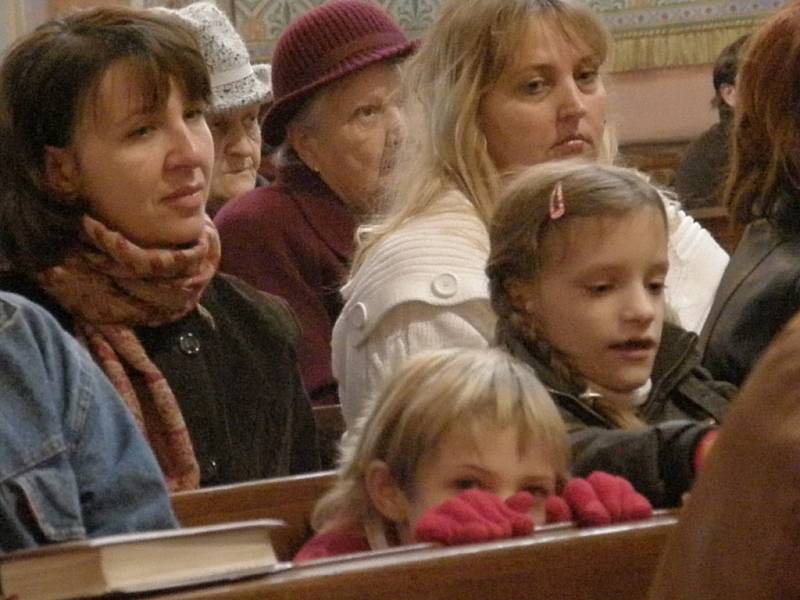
235	82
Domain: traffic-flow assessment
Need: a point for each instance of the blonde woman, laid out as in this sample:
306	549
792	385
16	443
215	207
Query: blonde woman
485	465
497	84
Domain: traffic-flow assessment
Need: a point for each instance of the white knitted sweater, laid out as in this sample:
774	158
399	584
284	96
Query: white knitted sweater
424	287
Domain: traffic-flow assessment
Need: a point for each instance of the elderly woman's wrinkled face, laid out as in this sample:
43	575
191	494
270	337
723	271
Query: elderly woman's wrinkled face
145	173
353	134
548	103
237	152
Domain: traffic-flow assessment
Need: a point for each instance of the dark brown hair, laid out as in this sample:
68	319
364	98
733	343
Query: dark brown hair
47	81
725	68
767	117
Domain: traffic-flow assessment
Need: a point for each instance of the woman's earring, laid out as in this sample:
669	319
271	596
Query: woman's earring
557	207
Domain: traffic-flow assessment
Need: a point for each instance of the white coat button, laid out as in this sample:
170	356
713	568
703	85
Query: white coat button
445	285
358	317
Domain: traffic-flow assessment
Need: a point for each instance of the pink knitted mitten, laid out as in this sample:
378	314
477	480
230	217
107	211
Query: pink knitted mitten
599	499
476	516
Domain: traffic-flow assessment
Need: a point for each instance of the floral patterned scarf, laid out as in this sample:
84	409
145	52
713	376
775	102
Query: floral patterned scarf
110	285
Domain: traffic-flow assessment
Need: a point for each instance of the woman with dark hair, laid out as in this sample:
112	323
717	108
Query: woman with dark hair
105	169
760	289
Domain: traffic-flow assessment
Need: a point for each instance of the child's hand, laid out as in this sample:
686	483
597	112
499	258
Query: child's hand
599	499
476	516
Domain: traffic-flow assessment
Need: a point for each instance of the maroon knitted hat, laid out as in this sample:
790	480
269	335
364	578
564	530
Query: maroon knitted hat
323	45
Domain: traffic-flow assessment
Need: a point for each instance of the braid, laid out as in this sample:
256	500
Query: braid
525	327
624	418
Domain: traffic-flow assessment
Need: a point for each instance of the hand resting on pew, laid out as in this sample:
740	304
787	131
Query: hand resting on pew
477	515
461	446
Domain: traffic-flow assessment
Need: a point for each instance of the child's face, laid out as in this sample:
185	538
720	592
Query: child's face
489	459
599	298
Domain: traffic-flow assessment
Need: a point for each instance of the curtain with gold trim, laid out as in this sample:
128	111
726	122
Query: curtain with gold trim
665	33
648	33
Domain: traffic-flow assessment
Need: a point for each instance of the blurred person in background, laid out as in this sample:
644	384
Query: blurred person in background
701	175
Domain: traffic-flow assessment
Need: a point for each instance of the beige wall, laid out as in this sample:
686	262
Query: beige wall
661	105
11	22
658	105
18	17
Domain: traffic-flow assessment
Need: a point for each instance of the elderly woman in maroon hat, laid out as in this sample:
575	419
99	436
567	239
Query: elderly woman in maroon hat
336	119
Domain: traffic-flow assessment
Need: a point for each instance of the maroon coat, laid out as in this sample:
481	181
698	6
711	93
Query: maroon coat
294	239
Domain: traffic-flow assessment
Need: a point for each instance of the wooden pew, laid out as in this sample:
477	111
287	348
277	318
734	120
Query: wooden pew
715	219
563	564
659	160
330	427
289	498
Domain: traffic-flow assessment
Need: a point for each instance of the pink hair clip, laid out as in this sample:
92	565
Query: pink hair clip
557	207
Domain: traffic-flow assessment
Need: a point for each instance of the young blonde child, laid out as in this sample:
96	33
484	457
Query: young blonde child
577	268
460	446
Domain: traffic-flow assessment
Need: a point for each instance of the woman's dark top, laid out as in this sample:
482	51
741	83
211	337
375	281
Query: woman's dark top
236	379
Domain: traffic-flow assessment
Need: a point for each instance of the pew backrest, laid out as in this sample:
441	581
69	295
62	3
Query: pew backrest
330	427
716	220
564	564
291	499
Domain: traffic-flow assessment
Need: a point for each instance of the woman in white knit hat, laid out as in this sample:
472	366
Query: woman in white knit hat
239	91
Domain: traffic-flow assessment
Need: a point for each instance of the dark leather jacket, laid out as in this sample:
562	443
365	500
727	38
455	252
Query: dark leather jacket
758	294
683	404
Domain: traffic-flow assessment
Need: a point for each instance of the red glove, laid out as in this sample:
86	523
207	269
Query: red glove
476	516
705	444
599	499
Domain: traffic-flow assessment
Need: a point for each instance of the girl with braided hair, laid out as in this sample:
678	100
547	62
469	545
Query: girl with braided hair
577	272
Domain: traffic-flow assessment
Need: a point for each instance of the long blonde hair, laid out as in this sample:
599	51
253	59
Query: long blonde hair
461	57
522	223
432	393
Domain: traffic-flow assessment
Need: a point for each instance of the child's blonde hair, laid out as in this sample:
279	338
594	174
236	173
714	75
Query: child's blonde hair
523	222
432	393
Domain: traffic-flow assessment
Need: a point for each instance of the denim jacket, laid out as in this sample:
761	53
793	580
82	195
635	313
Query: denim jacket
72	461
